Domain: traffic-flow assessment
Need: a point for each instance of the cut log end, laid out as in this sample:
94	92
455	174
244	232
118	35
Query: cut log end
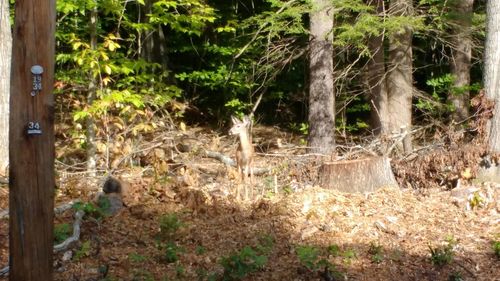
361	175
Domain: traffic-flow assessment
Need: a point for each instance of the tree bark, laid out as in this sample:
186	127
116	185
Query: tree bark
361	175
461	58
376	79
400	68
153	45
321	88
5	61
91	96
491	70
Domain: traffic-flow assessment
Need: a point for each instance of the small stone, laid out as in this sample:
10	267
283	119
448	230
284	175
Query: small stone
67	256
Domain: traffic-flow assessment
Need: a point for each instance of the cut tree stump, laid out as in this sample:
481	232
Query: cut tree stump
361	175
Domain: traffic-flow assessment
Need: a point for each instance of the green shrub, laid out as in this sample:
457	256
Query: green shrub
334	250
496	248
311	258
61	232
136	258
171	252
455	276
84	251
308	256
376	251
169	225
240	264
443	255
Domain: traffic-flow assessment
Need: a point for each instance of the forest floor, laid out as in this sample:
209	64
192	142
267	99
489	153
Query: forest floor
187	225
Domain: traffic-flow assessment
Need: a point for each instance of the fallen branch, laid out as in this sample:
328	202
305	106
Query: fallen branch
76	233
66	243
57	210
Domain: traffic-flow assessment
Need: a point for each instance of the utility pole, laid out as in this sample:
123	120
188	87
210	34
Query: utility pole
31	138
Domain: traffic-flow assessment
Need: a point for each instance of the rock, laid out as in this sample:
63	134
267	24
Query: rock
67	256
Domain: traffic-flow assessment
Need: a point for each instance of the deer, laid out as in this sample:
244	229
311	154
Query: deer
245	152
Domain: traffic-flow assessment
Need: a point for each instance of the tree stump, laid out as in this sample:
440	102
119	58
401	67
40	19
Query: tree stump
361	175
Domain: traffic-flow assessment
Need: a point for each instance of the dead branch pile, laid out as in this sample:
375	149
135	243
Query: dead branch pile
457	156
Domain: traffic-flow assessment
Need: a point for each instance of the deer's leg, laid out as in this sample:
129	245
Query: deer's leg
250	170
238	185
245	175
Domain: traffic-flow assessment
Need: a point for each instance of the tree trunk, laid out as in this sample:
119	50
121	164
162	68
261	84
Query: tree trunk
321	88
491	70
376	79
461	59
361	175
5	60
91	96
399	77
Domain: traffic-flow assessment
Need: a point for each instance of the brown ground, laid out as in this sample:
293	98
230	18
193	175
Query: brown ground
401	224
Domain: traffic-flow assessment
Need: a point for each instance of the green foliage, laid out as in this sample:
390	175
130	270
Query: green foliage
179	271
200	250
169	225
62	232
125	84
248	260
476	200
443	255
455	276
84	251
242	263
308	256
265	244
441	84
287	189
136	258
349	255
334	250
188	16
377	252
496	248
171	252
104	205
90	209
302	128
311	258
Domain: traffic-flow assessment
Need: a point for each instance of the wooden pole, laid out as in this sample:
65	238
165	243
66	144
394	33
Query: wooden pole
31	138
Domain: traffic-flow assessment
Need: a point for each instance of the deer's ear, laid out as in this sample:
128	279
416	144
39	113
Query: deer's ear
235	120
247	119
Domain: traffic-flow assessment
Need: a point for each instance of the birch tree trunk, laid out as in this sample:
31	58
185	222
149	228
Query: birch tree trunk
321	88
491	70
461	58
5	61
400	74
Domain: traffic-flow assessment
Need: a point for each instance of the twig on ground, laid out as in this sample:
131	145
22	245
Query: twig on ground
57	210
66	243
76	233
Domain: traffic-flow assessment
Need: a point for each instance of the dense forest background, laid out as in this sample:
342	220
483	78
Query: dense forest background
122	62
